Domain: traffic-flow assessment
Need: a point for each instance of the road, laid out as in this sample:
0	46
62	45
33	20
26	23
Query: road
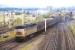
59	38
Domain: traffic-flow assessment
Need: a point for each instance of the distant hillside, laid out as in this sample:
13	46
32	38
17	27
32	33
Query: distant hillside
34	9
18	9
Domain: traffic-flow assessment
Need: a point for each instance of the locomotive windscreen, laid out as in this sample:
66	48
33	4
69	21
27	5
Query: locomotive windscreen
19	27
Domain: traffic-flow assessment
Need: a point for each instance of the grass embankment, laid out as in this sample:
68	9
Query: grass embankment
28	47
72	27
7	36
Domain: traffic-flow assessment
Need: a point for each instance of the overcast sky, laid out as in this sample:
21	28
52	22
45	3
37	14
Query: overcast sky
37	3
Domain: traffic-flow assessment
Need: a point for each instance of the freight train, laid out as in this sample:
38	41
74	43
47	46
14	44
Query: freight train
23	31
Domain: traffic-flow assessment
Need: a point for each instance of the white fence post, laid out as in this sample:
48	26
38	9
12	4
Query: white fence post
45	25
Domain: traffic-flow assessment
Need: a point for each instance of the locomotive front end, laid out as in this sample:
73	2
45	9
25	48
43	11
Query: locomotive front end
20	32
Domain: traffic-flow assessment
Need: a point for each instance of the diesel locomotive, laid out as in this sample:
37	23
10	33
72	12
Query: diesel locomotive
23	31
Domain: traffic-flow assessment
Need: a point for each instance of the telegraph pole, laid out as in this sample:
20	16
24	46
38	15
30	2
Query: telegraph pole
22	17
10	19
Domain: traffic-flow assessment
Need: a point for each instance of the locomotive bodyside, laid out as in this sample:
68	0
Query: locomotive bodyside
31	30
25	31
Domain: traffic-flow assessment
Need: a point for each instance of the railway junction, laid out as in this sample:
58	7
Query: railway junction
37	25
60	36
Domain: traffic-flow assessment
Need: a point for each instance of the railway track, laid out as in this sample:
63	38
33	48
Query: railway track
59	38
70	41
9	46
52	39
5	29
6	42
